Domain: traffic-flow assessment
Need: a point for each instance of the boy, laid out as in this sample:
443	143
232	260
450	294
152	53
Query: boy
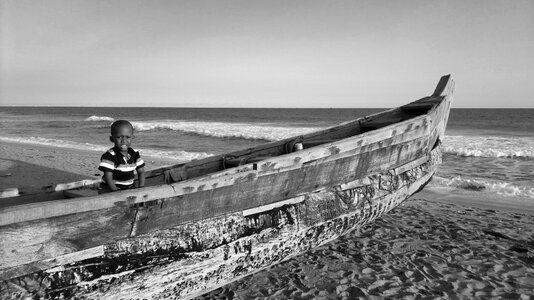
119	162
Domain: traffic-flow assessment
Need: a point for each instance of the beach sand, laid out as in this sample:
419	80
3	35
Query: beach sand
421	249
439	243
34	167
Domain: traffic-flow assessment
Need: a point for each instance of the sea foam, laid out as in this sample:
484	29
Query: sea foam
483	185
54	143
99	118
175	155
250	131
489	146
477	146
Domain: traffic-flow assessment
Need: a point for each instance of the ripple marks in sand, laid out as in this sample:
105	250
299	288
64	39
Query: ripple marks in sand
419	249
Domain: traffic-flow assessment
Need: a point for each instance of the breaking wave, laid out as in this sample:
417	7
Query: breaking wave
99	118
483	185
476	146
489	146
175	155
249	131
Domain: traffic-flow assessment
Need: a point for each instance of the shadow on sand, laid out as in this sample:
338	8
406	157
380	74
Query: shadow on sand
30	178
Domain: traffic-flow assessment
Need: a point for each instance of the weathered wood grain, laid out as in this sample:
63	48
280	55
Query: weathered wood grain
320	218
47	238
49	264
76	184
256	189
242	191
72	225
272	206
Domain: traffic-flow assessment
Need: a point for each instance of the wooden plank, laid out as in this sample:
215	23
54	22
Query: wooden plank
417	133
269	149
297	160
410	165
34	211
269	188
339	131
440	113
36	266
25	242
356	183
269	207
444	86
76	184
418	126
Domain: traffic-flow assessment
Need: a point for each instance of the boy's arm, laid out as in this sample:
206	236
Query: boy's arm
141	175
108	176
107	165
140	168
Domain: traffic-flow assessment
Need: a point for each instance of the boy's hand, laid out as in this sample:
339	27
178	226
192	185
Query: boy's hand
108	176
141	175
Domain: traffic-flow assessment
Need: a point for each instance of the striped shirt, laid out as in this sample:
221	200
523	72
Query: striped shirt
122	167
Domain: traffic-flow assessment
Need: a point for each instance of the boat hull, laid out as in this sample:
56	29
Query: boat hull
252	240
197	234
288	230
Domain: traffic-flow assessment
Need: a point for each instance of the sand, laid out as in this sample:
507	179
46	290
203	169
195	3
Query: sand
421	249
438	244
32	167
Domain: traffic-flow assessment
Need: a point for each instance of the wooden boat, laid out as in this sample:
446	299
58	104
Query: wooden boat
199	225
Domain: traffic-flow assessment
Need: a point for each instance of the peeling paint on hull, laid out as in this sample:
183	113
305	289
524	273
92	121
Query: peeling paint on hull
194	258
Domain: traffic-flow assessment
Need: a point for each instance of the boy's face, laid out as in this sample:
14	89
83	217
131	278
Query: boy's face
122	137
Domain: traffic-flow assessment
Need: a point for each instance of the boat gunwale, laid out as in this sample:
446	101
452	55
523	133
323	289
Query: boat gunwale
265	146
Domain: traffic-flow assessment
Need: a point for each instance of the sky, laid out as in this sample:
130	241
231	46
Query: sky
346	54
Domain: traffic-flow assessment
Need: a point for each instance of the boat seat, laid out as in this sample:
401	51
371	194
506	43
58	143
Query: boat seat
80	193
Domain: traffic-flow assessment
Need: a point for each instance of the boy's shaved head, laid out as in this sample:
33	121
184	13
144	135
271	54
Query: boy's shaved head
119	123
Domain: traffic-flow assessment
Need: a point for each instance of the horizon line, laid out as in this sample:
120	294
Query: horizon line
247	107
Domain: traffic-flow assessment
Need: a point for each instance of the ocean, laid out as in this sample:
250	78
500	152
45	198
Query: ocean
485	150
